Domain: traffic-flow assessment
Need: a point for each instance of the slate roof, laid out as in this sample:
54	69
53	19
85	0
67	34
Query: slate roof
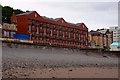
26	13
78	24
95	32
57	19
47	18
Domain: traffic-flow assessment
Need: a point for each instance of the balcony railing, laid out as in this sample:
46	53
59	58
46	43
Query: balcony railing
48	36
74	30
58	38
66	34
37	24
64	39
33	29
54	32
60	33
44	25
42	30
43	36
48	31
29	22
51	37
37	35
63	29
51	26
57	28
71	35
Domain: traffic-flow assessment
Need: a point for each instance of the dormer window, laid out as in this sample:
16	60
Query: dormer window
35	15
83	26
62	21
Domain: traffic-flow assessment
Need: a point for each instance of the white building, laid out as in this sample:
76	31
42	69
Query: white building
115	46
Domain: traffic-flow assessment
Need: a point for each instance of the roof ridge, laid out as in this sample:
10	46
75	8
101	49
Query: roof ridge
26	13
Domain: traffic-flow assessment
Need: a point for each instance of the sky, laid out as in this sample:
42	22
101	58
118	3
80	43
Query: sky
95	14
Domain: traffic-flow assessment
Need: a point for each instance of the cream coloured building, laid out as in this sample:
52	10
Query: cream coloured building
115	46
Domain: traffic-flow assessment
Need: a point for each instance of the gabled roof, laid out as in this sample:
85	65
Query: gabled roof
27	13
44	17
78	24
104	31
61	20
71	23
57	19
94	32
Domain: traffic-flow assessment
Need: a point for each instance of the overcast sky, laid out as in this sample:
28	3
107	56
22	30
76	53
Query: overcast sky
95	15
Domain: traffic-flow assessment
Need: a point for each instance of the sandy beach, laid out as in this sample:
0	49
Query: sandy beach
56	63
85	72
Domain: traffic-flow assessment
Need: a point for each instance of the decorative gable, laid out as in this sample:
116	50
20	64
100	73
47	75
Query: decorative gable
62	20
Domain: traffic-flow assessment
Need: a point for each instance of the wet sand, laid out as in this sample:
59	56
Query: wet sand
85	72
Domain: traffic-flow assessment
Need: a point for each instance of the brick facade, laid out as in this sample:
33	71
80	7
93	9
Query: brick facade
43	30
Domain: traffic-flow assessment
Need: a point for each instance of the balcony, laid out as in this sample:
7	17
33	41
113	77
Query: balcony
51	26
69	39
44	25
37	24
34	41
70	30
63	39
63	29
30	22
54	32
48	31
54	37
51	37
66	34
60	33
79	41
41	30
33	29
39	41
58	38
76	36
57	28
47	36
43	36
72	35
72	39
37	35
74	30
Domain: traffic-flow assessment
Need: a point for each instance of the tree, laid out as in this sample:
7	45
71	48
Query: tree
7	12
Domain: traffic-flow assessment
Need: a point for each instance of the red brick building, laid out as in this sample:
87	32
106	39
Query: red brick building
51	31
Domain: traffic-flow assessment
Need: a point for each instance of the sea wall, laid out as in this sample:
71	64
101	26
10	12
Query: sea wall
72	50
